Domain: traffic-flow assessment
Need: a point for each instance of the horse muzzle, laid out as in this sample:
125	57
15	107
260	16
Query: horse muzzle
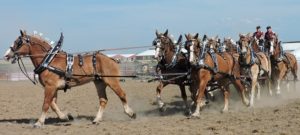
9	54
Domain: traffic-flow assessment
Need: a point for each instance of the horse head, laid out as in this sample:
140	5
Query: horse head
163	43
193	46
272	45
213	43
25	45
244	43
230	45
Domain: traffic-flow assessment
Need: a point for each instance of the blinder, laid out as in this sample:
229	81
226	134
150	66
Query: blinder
19	43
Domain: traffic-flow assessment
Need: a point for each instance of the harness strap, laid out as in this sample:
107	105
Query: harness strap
80	60
69	68
49	56
97	77
56	70
213	56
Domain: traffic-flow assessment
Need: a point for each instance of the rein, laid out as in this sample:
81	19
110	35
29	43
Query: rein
24	71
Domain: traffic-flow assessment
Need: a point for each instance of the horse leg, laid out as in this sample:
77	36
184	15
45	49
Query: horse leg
226	94
278	86
160	103
205	76
114	84
184	97
269	83
294	72
56	109
239	86
287	84
258	91
101	91
254	71
49	94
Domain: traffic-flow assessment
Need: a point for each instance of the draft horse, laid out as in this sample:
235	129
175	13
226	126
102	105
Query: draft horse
282	63
254	66
170	61
53	79
202	72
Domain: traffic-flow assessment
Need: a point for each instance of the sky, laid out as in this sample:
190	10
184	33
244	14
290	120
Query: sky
100	24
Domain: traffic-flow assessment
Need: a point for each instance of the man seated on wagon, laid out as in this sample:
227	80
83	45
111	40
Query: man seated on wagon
258	36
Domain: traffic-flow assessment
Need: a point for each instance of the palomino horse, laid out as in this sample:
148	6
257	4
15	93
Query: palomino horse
253	66
170	60
281	65
94	67
203	73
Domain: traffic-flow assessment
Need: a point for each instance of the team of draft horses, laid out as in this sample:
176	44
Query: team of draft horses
206	65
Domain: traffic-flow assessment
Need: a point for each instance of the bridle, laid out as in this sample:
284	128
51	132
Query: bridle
17	57
245	50
190	45
19	44
159	44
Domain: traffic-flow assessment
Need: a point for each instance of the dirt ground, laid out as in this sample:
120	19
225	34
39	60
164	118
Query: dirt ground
21	104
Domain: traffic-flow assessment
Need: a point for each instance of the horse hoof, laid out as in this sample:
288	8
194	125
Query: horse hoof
70	117
95	123
224	111
133	116
37	125
193	117
163	108
187	113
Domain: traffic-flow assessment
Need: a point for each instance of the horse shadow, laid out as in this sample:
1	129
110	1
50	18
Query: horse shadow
171	108
50	121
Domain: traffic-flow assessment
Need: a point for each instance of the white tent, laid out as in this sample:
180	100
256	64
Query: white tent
149	52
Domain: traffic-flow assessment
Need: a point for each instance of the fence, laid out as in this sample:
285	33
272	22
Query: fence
12	72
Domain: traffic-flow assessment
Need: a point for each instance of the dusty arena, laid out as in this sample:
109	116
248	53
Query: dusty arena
21	106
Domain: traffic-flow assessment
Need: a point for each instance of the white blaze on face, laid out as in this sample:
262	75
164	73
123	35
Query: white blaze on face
271	47
157	51
8	54
192	57
244	50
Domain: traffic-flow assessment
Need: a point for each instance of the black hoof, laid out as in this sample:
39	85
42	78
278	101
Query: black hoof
163	108
188	113
95	123
133	116
70	117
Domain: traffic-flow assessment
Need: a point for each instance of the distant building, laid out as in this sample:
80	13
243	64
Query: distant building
123	57
145	55
293	47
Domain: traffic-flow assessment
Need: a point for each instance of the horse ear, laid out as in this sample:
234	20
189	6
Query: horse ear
166	33
21	32
156	32
196	36
186	36
204	37
240	35
179	39
249	34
